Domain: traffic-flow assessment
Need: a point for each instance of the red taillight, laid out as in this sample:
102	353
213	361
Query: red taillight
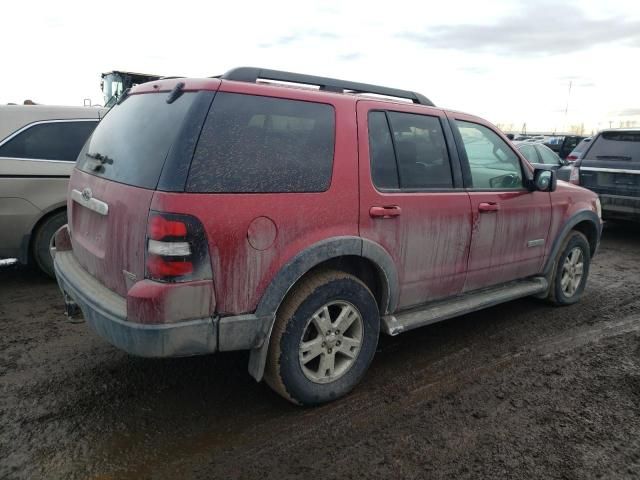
572	158
160	228
177	249
159	268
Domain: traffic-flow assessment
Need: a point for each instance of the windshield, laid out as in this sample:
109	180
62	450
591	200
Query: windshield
131	143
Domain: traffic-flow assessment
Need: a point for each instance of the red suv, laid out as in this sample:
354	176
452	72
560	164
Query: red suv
232	214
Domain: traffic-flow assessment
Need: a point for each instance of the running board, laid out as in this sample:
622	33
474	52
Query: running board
470	302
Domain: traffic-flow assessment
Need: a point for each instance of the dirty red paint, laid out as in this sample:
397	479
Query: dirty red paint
441	244
108	245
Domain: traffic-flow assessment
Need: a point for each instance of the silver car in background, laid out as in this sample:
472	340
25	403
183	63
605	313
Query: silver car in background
39	145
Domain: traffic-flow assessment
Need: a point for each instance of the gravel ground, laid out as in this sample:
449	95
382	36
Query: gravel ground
522	390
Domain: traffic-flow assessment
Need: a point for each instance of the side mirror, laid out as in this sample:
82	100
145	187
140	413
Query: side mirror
544	180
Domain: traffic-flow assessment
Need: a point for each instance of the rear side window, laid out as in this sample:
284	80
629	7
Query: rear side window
582	146
384	170
266	145
131	143
616	146
49	141
412	155
529	152
548	156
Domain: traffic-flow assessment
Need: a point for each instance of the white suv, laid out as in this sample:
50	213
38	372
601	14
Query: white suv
39	145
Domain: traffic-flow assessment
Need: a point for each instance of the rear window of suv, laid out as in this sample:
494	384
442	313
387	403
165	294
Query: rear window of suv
261	144
616	146
131	143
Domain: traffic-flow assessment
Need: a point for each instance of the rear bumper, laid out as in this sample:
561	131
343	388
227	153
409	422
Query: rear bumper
106	313
618	206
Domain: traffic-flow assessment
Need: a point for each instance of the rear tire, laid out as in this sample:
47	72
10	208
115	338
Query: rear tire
43	241
323	339
571	270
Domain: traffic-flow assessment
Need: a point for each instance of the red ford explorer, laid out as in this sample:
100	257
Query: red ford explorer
298	223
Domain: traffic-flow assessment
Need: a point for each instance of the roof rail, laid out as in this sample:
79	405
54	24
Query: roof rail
252	74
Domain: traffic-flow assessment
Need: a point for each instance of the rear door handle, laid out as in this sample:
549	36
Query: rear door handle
488	207
385	212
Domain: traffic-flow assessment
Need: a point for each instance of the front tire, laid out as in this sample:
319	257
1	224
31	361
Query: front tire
571	270
323	339
43	242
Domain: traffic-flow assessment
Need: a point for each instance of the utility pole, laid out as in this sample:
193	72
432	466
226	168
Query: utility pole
566	108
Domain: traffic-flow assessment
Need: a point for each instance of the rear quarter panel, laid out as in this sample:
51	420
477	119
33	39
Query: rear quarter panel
29	189
242	272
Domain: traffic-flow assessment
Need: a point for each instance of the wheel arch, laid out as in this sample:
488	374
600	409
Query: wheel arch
26	246
587	223
362	258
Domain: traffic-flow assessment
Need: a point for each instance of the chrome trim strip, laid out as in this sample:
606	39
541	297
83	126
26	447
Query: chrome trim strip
535	243
610	170
94	204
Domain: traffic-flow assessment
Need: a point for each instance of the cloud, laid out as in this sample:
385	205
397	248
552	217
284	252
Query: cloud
538	28
286	40
350	57
629	112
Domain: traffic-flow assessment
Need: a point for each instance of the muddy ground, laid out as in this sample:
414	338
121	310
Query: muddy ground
523	390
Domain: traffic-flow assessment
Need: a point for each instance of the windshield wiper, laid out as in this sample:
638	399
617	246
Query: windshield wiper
612	157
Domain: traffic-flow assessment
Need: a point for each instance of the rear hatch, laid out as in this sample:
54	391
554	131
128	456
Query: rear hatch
612	165
117	173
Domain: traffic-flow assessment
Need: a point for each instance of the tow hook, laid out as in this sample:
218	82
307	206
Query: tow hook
71	309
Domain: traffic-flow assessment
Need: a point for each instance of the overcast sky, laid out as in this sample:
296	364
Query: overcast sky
508	61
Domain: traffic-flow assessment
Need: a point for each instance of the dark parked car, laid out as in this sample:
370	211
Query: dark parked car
611	168
540	156
581	148
563	145
300	223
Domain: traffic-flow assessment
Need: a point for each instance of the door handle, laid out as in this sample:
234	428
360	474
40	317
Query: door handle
488	207
385	212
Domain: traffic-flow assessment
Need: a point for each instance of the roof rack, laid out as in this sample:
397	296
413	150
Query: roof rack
252	74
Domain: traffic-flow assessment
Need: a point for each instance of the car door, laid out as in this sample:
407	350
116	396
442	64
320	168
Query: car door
412	200
510	223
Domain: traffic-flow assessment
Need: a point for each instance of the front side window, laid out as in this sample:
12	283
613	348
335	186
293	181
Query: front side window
493	165
412	154
49	141
261	144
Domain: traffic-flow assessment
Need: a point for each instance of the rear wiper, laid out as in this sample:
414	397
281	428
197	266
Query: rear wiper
176	92
101	159
612	157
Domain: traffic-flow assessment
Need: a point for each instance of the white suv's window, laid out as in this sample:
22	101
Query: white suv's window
49	141
493	165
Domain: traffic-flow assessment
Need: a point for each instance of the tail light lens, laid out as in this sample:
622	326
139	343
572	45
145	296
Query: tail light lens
574	177
572	158
177	249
